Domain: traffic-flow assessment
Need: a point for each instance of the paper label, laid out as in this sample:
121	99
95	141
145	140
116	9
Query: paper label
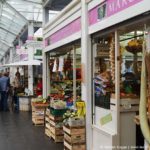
106	119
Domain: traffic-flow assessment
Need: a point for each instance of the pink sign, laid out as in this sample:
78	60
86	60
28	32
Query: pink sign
93	15
115	6
112	7
23	56
66	31
30	38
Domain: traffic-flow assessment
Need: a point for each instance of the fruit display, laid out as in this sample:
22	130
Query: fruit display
72	119
112	58
40	100
135	46
57	96
58	104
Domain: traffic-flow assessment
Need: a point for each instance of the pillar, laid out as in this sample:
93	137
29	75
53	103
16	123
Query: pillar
45	15
30	56
86	72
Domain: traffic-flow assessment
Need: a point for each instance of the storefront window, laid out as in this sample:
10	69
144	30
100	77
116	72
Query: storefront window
104	70
131	46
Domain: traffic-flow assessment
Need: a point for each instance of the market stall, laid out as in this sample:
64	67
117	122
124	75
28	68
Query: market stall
62	71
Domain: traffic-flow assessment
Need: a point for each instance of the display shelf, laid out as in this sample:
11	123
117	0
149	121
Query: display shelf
126	104
65	80
103	130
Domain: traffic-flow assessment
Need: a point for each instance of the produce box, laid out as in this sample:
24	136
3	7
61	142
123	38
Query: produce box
74	130
75	122
69	146
79	138
57	112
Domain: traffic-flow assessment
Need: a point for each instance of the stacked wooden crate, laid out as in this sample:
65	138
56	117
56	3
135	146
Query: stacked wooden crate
38	113
47	123
74	138
56	128
24	103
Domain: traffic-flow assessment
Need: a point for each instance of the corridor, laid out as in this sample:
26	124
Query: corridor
18	133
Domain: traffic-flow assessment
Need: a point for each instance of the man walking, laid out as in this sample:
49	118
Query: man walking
4	87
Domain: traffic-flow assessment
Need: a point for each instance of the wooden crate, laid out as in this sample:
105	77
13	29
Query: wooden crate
38	115
47	125
56	119
47	119
74	130
47	112
38	121
48	132
57	138
57	131
68	146
77	138
55	123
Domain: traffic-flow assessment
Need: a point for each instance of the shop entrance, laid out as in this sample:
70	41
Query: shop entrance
117	61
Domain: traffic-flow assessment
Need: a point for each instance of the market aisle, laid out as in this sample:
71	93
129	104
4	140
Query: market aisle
18	133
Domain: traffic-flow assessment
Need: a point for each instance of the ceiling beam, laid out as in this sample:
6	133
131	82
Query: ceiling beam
19	14
28	1
47	2
8	31
4	42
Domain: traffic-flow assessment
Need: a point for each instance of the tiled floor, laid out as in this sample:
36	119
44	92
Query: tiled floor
18	133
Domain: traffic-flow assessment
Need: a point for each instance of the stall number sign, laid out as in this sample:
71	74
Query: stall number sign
106	119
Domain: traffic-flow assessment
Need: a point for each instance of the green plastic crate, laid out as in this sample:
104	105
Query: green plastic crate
57	112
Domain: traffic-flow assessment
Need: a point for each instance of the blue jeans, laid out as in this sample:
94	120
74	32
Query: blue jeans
4	98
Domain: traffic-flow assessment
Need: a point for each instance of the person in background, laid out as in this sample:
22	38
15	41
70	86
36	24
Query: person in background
16	87
17	73
39	87
4	88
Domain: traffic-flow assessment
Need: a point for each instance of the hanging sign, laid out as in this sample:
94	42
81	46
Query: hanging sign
55	66
61	64
115	6
109	8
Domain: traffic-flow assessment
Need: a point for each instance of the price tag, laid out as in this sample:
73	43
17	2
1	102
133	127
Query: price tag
106	119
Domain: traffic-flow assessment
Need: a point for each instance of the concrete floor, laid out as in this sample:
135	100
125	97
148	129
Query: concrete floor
18	133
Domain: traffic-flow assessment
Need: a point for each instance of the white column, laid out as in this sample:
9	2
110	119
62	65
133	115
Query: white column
46	76
45	15
86	72
31	29
30	57
74	73
46	73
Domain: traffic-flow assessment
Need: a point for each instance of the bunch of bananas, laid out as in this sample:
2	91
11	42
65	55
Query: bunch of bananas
135	43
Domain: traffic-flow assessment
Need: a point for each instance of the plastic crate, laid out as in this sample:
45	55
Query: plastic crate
57	112
75	122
